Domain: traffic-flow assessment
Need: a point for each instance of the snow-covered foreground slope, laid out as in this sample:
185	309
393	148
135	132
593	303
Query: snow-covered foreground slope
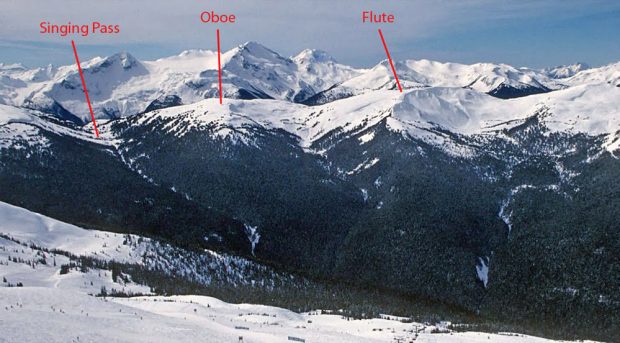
33	314
45	244
41	303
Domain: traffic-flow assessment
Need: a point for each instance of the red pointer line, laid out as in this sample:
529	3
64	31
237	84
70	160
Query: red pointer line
90	107
390	59
219	64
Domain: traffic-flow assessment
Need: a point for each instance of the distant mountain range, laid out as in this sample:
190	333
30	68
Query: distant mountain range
487	187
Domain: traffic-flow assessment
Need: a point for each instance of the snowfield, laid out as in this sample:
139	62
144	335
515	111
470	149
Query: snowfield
416	113
438	96
40	303
66	316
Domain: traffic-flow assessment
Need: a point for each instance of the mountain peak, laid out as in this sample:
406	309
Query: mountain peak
256	49
313	56
252	53
252	45
193	52
124	59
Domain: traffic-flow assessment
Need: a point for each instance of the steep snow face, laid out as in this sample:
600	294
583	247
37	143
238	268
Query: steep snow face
253	68
320	71
258	71
106	78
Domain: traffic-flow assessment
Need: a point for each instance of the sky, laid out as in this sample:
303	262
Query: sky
532	33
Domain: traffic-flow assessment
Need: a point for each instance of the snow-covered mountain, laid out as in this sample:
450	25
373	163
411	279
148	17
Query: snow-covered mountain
501	80
473	187
590	109
416	113
565	71
120	85
609	74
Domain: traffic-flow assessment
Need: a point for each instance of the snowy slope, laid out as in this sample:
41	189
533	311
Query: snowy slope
609	74
481	77
23	128
66	316
28	227
65	310
565	71
37	233
120	85
591	109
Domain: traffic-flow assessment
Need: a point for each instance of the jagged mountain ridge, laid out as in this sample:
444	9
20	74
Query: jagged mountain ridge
121	85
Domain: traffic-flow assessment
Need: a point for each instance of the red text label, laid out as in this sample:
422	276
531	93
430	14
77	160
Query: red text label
45	27
372	17
212	17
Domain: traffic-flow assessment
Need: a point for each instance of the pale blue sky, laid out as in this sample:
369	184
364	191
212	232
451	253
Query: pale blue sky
531	33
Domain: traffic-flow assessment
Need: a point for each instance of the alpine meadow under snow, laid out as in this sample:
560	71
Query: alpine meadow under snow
482	198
